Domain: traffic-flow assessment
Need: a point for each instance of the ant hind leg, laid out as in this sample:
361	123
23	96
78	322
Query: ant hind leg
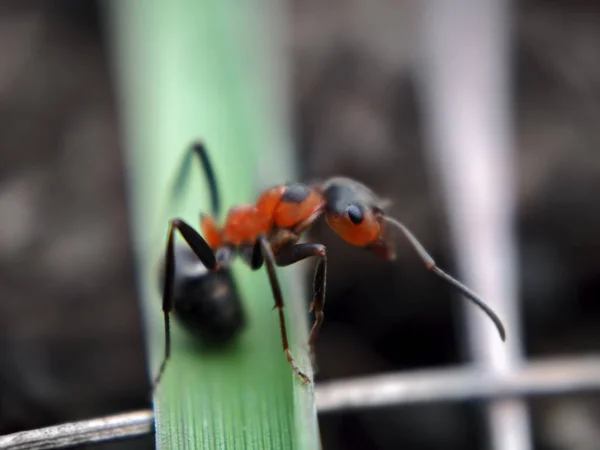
295	253
262	252
206	256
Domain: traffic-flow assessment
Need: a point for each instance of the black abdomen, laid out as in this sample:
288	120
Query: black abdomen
206	303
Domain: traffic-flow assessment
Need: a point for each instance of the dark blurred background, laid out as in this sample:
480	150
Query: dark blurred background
70	336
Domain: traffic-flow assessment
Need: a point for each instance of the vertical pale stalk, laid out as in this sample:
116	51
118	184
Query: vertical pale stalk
466	93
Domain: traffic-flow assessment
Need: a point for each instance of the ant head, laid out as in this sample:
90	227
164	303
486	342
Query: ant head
356	214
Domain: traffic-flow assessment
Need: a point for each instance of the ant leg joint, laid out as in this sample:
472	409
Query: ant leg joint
298	372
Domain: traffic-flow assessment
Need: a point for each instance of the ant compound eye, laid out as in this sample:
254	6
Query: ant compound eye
355	213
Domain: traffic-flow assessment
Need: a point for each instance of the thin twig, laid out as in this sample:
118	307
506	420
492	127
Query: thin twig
96	430
551	377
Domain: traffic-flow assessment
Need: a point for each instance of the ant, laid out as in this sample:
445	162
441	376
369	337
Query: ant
267	232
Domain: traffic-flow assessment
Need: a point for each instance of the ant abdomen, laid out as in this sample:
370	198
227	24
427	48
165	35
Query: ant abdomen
206	303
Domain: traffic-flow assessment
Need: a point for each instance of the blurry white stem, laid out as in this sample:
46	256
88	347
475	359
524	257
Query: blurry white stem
464	76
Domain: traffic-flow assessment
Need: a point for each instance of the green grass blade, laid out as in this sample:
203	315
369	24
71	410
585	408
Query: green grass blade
210	70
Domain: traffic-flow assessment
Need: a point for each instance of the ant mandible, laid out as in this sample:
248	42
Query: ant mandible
268	232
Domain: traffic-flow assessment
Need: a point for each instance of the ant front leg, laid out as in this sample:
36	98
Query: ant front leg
295	253
262	252
206	256
198	149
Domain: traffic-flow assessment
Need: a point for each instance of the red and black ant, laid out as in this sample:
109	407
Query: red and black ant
267	232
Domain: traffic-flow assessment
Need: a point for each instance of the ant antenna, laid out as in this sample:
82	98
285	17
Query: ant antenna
430	264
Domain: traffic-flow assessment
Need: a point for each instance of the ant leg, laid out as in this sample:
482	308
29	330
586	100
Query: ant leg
182	175
198	149
293	254
262	252
206	256
432	266
215	201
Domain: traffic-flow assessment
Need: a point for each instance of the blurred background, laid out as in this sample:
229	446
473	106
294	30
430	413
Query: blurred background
71	342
